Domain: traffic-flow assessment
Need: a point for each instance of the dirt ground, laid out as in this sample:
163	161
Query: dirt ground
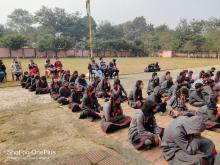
32	123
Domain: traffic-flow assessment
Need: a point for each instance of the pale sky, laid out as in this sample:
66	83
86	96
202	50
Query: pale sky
118	11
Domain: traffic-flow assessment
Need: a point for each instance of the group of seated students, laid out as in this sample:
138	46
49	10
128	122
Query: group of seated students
192	103
102	69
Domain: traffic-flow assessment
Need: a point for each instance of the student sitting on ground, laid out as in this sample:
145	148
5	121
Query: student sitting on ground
167	84
75	101
118	89
33	68
42	86
3	73
164	77
34	81
81	82
66	76
211	113
103	90
159	97
153	83
216	78
196	98
73	78
176	105
54	87
64	94
135	99
143	131
203	80
28	81
180	83
90	105
182	143
113	118
24	79
95	82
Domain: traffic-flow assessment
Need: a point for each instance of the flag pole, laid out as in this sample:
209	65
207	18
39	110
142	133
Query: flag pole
90	34
88	7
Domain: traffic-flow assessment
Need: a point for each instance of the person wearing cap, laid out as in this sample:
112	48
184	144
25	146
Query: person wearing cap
159	96
64	94
113	118
135	98
196	98
90	104
182	143
176	105
118	89
34	81
54	87
211	113
113	69
103	89
144	132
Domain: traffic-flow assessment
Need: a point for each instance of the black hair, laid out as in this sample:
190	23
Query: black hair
117	81
148	107
138	83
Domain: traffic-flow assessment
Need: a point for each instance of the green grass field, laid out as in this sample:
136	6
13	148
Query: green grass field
126	65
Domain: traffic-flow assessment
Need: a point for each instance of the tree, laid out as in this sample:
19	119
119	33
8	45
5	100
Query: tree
44	42
61	43
14	42
20	20
135	29
107	31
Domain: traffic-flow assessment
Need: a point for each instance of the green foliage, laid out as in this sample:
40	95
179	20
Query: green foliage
20	20
14	42
56	29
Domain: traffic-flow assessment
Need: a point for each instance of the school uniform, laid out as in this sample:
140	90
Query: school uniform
114	119
64	94
135	97
179	147
143	128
